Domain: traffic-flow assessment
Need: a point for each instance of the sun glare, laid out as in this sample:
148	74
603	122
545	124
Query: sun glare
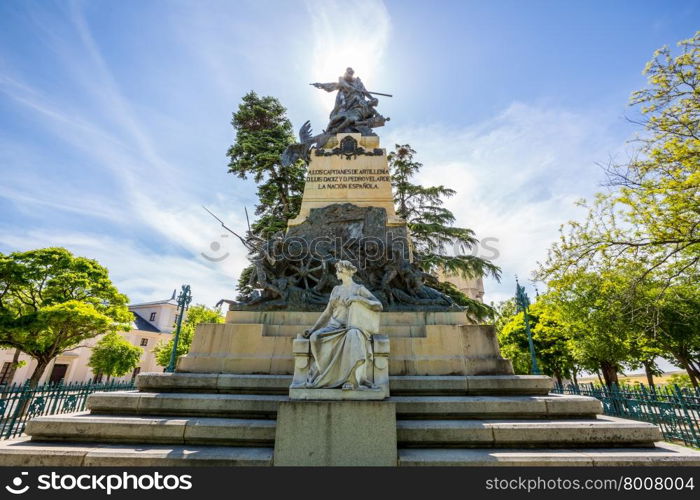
346	37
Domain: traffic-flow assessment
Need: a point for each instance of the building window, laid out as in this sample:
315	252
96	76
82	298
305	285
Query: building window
144	342
5	372
153	317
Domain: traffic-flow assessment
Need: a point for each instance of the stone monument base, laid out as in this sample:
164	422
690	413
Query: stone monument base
224	420
422	343
337	394
339	433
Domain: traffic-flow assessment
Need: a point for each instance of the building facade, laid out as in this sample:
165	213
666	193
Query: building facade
472	288
153	323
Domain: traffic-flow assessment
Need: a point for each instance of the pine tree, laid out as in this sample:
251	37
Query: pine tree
432	232
263	131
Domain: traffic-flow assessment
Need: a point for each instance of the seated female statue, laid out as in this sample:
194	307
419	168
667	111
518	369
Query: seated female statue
341	340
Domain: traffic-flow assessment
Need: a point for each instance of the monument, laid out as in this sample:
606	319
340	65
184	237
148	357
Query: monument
342	354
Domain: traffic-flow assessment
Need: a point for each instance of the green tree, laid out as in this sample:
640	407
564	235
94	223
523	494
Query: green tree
640	241
608	311
263	131
114	356
51	301
432	231
676	328
551	336
652	213
196	315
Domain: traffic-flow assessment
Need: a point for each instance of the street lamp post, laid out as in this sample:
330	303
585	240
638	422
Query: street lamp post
523	303
183	300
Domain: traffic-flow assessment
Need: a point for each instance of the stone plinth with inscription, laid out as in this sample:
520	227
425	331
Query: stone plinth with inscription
350	168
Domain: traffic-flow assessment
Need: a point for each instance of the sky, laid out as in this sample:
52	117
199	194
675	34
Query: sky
115	117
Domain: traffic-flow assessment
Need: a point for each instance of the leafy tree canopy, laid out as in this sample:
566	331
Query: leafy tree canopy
652	213
263	131
51	300
114	356
552	337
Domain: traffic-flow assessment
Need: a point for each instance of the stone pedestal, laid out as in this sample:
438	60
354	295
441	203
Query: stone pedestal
338	433
422	343
350	168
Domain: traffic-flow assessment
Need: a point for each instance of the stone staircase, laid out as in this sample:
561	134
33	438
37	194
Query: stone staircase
185	419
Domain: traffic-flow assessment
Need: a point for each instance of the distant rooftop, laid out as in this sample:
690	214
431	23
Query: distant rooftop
171	301
155	303
140	323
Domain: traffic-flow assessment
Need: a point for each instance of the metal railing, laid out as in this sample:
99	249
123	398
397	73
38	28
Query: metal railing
676	410
19	403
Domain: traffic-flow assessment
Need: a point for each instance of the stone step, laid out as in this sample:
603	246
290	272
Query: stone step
86	427
602	431
214	383
438	385
553	406
265	405
400	385
185	404
23	452
663	454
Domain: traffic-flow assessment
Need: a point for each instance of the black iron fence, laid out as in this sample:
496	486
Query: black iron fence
19	403
676	410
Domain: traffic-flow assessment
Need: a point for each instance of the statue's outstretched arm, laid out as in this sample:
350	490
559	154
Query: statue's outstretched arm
328	87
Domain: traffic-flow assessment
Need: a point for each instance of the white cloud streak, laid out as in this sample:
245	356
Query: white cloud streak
109	137
517	177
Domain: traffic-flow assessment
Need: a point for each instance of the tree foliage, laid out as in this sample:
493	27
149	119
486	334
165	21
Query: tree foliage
263	131
628	275
438	244
652	213
552	338
196	315
51	301
114	356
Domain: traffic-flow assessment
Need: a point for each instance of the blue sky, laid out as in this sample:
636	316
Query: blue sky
115	116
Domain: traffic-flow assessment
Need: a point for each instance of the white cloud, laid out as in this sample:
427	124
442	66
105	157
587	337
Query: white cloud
141	190
517	177
142	273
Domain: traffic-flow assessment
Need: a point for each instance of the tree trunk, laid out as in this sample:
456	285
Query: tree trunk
690	370
33	382
560	382
609	373
13	367
38	372
650	373
600	379
574	377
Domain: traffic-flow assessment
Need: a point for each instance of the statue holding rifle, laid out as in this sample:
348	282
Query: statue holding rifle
354	112
354	109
